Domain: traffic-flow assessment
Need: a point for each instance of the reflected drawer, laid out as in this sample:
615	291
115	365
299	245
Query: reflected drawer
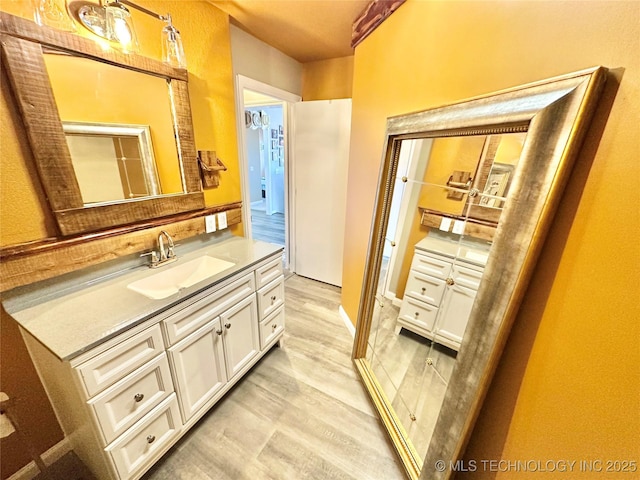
428	265
425	287
269	272
419	314
270	298
272	327
147	439
107	368
466	277
124	403
180	324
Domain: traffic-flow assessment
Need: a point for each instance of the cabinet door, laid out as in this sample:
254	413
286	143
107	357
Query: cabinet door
456	307
241	337
198	365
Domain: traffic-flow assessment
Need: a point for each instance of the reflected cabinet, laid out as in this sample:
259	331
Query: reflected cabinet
466	194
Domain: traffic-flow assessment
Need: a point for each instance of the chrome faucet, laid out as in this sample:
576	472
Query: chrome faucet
168	253
165	254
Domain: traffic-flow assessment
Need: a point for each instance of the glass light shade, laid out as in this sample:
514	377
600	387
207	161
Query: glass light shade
172	49
119	26
53	13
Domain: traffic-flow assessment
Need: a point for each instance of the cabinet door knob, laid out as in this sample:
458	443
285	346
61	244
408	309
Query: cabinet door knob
138	397
219	332
151	438
450	281
227	325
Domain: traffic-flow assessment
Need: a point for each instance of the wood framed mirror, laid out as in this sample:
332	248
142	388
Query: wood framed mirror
24	48
445	273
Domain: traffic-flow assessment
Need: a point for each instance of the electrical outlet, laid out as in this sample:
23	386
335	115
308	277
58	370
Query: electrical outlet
210	223
222	220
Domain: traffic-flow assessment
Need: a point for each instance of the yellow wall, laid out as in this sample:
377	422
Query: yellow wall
327	79
568	384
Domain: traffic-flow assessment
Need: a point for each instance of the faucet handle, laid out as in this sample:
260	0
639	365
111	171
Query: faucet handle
154	257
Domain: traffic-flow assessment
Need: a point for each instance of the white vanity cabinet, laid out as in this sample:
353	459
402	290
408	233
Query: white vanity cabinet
124	403
438	297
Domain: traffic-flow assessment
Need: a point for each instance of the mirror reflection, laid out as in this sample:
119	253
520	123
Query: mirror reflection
111	161
447	198
126	164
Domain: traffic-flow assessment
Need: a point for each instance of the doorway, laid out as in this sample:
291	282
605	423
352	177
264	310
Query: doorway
263	113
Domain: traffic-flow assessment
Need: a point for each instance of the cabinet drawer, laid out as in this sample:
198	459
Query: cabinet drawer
424	287
107	368
466	277
430	266
180	324
270	298
269	272
419	314
271	327
147	439
124	403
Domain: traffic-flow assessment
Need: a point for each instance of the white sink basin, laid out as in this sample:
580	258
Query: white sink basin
171	280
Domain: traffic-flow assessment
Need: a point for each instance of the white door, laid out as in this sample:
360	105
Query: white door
321	135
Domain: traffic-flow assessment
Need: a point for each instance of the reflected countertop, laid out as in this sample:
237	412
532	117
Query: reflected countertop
465	249
76	312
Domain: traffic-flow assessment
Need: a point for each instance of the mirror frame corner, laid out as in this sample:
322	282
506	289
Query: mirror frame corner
22	44
556	114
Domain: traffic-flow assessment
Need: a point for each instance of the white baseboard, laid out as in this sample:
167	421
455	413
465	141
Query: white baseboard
347	321
395	301
55	453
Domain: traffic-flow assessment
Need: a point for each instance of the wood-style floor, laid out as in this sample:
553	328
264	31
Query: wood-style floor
300	413
268	228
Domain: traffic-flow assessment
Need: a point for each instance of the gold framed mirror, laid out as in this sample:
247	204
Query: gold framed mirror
24	48
465	198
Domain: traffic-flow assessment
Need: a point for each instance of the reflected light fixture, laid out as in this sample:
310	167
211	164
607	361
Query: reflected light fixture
113	21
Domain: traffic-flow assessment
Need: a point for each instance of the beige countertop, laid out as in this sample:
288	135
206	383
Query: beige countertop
81	311
463	249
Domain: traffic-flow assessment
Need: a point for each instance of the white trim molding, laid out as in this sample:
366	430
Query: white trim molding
347	321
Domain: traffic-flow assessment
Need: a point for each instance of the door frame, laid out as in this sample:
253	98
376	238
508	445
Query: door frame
245	83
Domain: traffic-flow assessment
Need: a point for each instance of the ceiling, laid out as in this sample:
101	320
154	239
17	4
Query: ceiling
306	30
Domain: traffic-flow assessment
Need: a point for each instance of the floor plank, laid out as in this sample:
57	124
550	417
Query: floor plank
268	228
300	413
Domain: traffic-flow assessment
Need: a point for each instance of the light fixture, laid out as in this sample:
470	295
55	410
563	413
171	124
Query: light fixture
172	50
119	26
113	21
53	13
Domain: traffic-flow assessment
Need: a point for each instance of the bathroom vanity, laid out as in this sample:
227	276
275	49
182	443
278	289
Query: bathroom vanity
441	288
132	359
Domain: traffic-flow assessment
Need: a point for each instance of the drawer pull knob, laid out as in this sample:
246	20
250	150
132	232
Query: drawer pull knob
273	298
424	289
227	326
417	314
219	332
450	281
151	438
138	397
274	326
